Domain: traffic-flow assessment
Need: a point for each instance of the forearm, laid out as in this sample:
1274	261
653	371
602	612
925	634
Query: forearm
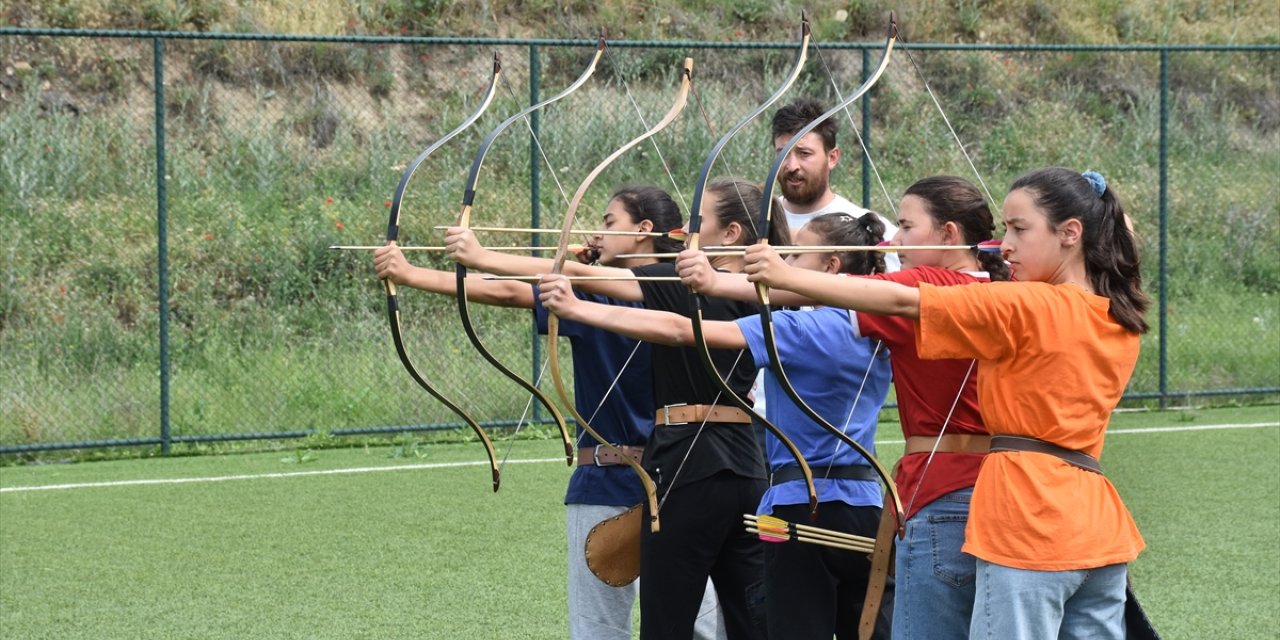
502	293
735	286
659	327
879	297
517	265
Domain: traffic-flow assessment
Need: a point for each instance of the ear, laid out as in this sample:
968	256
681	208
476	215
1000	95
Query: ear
833	157
644	226
832	264
951	233
1071	232
731	234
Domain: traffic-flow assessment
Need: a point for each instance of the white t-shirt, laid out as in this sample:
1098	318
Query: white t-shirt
841	205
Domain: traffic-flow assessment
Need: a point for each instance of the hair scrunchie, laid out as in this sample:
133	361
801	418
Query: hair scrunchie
1096	181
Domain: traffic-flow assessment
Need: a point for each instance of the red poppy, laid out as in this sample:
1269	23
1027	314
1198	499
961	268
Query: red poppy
328	200
339	225
386	203
208	236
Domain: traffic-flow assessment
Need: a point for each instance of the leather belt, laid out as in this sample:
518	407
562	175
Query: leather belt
677	414
1033	445
602	456
949	443
843	472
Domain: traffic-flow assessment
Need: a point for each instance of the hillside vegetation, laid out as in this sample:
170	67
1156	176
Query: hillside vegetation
1004	21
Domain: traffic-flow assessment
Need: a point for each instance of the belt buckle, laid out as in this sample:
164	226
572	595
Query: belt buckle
666	414
595	455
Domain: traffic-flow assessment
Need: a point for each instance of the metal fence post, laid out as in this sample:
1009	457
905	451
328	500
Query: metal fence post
866	132
1164	227
162	246
535	210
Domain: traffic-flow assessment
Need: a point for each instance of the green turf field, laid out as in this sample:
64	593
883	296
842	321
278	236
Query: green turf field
373	543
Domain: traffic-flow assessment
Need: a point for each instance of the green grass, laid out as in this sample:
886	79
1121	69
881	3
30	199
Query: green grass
431	553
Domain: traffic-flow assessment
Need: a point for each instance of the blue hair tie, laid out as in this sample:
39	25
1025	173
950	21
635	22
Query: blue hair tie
1096	181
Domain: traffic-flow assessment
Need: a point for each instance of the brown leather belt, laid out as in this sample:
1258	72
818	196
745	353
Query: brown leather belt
602	456
1034	445
950	443
678	414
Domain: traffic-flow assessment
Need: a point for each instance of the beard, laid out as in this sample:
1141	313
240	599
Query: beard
807	192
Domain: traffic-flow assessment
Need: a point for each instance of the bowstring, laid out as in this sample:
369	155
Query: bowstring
938	441
844	428
555	177
964	151
666	168
696	435
866	152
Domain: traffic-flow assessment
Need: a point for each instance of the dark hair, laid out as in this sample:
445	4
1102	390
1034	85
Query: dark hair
953	199
844	229
644	202
795	116
1111	257
739	201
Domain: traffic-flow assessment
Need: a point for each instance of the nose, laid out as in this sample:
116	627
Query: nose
1005	248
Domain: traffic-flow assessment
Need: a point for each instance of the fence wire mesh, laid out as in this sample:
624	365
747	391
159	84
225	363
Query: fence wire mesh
275	150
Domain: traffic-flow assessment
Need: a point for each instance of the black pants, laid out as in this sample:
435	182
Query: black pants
703	535
814	592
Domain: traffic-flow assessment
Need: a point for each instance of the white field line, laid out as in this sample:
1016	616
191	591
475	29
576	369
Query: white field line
446	465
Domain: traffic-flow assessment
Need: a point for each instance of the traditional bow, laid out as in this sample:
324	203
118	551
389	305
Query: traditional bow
553	322
393	307
464	220
695	222
762	290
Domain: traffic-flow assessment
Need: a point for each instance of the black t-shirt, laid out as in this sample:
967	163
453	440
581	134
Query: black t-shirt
679	377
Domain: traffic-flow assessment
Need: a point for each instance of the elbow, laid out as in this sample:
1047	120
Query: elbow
674	334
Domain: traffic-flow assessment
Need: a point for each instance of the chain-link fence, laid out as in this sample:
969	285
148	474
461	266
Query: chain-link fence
169	200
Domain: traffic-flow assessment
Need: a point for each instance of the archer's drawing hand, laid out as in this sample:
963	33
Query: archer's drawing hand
556	294
695	270
763	264
389	263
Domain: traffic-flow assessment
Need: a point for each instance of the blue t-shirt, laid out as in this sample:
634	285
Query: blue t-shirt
827	364
625	417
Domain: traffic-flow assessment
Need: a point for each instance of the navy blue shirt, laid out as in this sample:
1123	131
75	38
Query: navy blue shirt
626	414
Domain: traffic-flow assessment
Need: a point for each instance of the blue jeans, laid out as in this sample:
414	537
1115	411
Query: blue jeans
1019	603
933	595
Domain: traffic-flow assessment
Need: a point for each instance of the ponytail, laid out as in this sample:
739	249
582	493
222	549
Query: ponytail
843	229
1110	249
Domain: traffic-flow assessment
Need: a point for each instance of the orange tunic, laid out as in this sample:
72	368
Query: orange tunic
1053	364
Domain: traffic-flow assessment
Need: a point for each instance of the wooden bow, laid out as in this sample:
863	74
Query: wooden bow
762	290
464	221
393	307
553	322
695	224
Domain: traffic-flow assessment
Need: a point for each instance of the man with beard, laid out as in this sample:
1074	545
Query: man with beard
805	177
